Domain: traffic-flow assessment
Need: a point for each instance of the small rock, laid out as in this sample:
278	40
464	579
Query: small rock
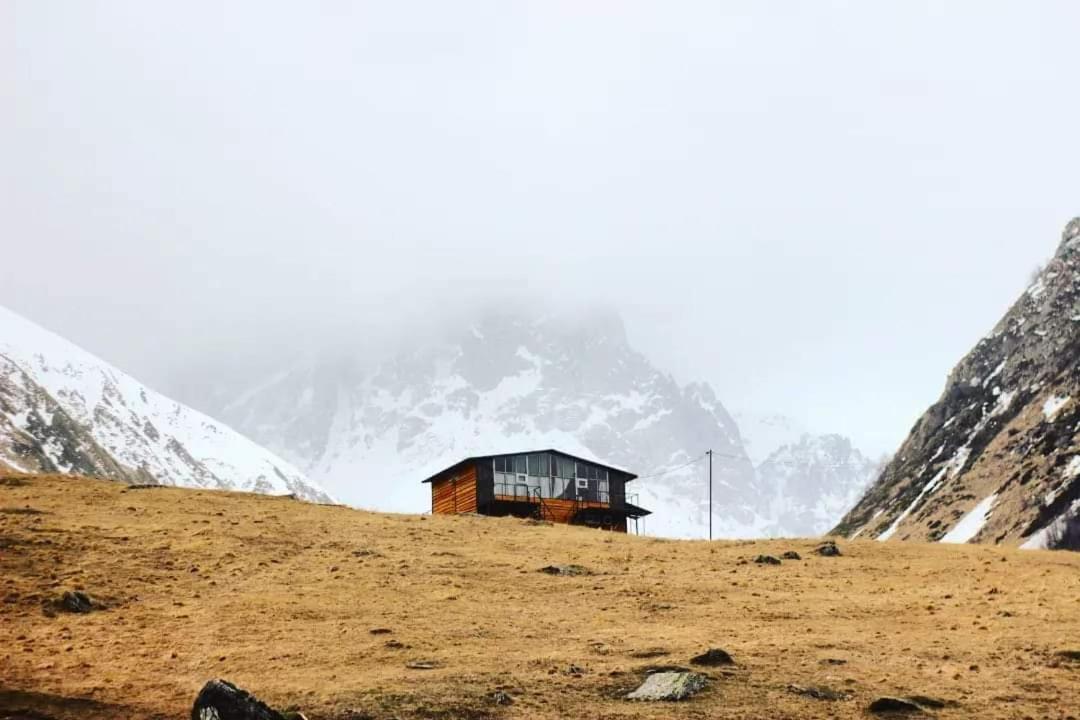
889	705
423	665
501	698
380	631
566	570
77	602
712	657
791	555
828	549
767	560
1073	655
575	670
221	700
669	687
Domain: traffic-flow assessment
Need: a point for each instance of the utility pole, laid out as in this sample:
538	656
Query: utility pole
709	453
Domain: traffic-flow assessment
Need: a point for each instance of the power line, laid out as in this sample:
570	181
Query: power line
671	470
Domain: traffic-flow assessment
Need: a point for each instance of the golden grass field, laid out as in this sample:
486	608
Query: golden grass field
281	598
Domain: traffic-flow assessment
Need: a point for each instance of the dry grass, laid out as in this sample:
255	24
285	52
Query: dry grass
281	598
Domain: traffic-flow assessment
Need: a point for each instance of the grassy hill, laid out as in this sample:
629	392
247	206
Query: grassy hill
323	609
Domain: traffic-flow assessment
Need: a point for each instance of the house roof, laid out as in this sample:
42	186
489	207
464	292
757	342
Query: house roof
632	476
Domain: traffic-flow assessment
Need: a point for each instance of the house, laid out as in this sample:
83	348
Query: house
543	484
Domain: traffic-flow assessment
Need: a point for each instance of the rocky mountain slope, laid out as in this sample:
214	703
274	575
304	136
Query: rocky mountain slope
515	381
997	458
64	410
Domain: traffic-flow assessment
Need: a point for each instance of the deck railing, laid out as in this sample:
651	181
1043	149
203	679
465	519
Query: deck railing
522	492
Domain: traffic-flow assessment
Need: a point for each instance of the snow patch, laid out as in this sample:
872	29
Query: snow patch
970	525
1053	406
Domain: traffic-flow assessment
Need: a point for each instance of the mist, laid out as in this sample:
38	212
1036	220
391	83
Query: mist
815	208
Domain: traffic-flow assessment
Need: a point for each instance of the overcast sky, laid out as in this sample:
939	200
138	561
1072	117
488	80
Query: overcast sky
816	207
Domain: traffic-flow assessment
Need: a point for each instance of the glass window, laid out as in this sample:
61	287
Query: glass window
538	465
582	483
565	467
582	470
520	465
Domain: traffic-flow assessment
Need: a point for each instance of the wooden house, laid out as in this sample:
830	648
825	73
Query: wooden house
543	484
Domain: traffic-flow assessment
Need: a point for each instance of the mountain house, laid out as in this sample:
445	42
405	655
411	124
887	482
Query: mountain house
544	484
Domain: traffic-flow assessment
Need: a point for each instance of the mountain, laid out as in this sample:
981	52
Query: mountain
64	410
512	381
997	458
813	481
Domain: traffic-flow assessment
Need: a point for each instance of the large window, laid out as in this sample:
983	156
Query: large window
549	476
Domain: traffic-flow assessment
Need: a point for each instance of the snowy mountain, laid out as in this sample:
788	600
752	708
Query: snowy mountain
997	458
64	410
512	382
813	481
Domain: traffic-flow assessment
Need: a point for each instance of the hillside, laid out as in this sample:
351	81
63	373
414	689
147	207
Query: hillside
369	428
323	609
997	458
65	410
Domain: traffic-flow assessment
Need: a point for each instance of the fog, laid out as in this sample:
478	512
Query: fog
815	207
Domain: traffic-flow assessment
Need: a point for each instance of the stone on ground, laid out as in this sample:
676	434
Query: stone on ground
221	700
669	687
712	658
566	570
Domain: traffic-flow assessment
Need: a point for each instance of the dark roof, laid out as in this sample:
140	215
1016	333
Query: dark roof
635	511
631	475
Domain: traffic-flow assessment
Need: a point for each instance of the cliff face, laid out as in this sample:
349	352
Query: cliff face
997	458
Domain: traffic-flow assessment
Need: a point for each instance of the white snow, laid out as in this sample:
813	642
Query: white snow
1054	405
137	426
1039	539
970	525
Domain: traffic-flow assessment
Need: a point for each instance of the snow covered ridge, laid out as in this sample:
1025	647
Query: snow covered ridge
997	458
64	410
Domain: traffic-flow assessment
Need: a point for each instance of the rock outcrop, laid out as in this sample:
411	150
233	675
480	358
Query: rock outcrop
997	458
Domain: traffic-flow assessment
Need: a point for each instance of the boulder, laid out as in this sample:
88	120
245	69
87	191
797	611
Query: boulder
669	687
828	549
221	700
712	657
791	555
767	560
77	602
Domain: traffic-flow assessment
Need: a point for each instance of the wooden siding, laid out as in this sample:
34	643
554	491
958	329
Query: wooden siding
455	492
563	511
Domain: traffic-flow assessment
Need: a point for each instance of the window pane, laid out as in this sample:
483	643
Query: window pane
520	465
544	465
582	470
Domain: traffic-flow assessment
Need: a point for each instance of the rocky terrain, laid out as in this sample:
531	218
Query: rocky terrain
64	410
997	458
123	602
512	381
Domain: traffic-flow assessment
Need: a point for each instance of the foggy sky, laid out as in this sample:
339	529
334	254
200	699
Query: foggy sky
816	207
